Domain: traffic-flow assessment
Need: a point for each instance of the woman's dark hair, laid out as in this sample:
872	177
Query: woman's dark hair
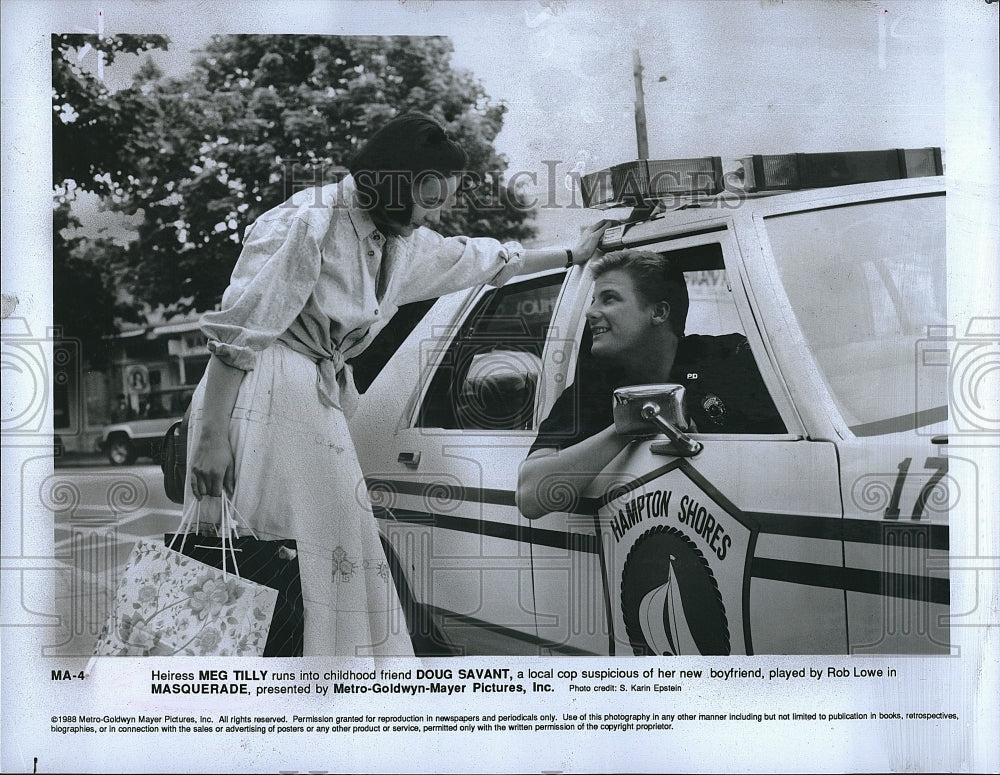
408	149
655	278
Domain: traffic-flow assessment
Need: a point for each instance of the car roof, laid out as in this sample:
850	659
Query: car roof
713	212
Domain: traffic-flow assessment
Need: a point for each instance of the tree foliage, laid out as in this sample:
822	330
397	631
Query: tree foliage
84	300
95	142
262	116
95	147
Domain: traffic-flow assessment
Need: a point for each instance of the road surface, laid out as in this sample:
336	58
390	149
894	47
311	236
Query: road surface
98	512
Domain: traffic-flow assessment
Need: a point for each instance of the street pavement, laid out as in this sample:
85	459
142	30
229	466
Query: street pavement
99	511
87	460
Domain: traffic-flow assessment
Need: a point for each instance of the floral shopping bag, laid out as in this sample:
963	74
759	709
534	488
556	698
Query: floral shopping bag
170	604
274	564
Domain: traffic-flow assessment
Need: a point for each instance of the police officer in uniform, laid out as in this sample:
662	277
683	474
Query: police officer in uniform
635	335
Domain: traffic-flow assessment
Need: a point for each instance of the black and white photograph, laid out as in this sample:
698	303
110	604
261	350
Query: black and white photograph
500	386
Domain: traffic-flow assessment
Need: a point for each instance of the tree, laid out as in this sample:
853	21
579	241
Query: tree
262	116
85	303
94	141
94	146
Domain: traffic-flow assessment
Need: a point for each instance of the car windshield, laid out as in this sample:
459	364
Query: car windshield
867	284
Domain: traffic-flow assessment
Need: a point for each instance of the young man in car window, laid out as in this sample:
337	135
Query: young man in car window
636	325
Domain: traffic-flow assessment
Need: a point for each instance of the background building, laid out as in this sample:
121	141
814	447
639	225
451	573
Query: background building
152	373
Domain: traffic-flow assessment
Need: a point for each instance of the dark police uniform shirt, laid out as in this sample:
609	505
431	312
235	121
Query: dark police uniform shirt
724	394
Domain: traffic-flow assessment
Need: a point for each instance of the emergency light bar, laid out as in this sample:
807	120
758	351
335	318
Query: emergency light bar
644	182
819	170
636	182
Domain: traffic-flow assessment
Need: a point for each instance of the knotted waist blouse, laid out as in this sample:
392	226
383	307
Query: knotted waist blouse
316	275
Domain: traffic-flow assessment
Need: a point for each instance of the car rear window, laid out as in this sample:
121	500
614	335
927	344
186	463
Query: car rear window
867	285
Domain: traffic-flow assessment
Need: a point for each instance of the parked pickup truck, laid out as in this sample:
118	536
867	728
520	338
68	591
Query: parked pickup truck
140	436
826	535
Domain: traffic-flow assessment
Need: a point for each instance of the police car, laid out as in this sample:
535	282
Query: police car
826	534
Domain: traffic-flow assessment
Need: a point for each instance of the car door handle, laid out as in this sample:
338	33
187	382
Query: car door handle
411	459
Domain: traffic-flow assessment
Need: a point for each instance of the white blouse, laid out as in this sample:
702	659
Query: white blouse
316	275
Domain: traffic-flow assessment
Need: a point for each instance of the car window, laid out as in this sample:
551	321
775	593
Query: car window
164	404
724	392
867	283
488	378
367	365
711	311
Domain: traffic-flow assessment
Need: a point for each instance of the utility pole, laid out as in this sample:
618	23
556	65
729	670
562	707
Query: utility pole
642	141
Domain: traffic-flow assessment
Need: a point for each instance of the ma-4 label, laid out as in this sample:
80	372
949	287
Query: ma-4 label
677	560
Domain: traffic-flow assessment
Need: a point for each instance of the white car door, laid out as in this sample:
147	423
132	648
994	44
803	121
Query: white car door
738	549
441	434
865	280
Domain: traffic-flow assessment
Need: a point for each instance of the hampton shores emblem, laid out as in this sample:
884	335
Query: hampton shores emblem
680	559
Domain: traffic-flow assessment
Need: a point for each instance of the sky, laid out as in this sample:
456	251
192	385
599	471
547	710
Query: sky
721	77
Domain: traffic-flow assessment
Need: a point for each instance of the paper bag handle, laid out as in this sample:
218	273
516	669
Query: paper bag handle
230	524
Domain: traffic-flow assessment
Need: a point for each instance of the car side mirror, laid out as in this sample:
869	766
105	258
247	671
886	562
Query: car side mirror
638	409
